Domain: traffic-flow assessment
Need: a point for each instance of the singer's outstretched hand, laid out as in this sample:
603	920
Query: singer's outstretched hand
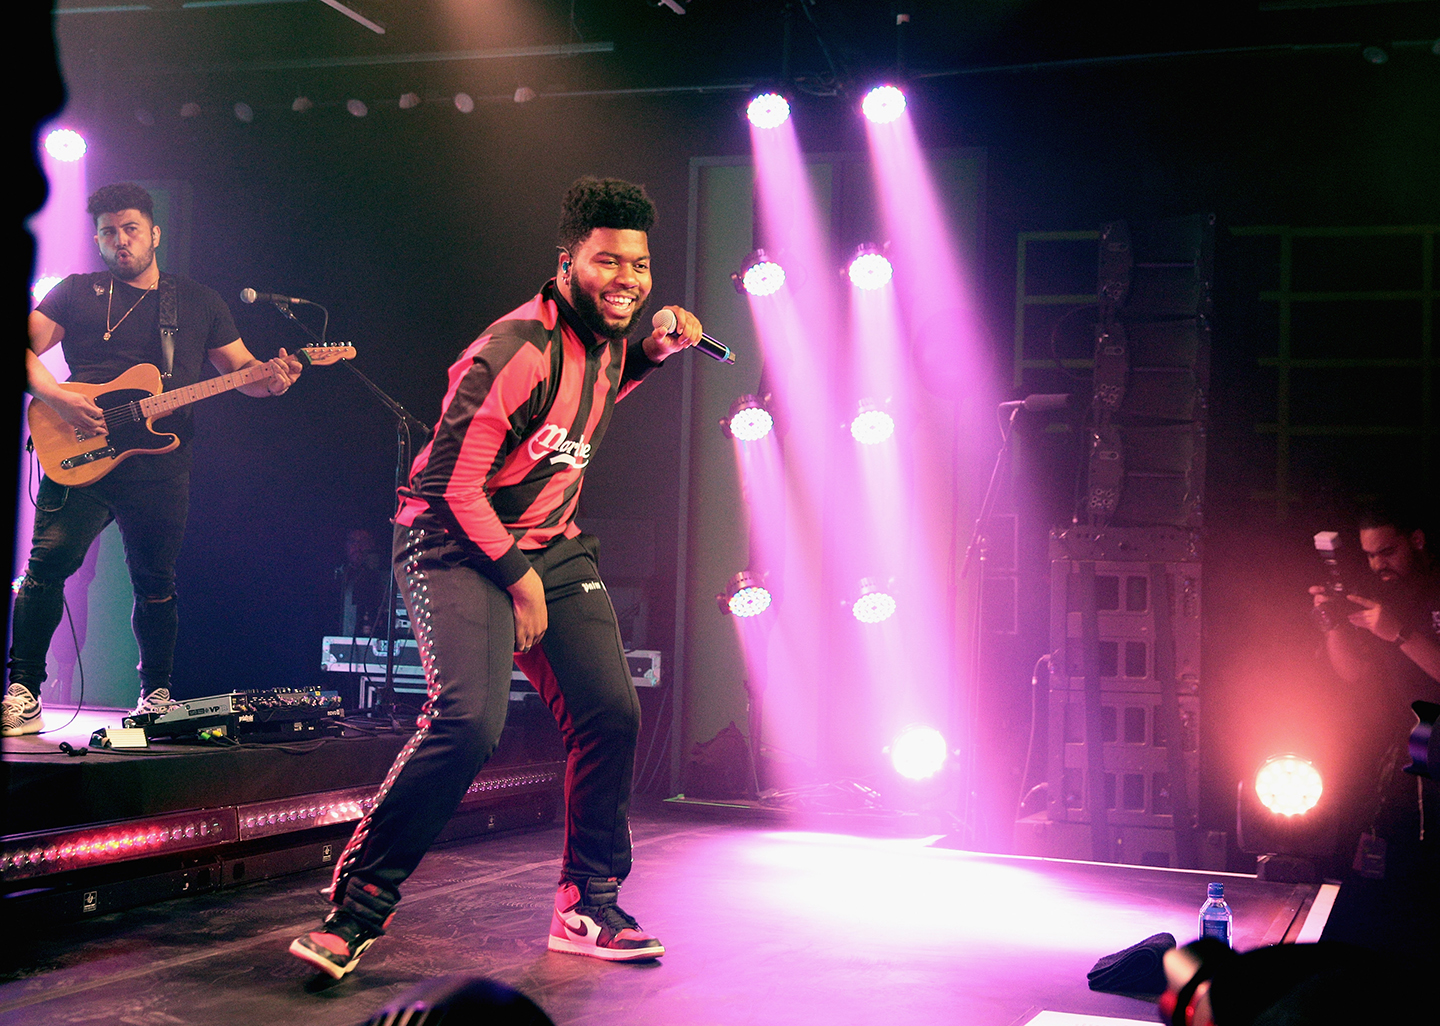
687	331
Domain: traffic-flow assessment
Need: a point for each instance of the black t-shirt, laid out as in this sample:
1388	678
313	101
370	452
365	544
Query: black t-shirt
81	305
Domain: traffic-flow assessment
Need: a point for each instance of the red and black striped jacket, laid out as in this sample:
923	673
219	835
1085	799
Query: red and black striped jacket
526	406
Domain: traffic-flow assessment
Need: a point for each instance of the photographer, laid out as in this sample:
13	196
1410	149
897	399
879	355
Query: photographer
1387	648
1404	619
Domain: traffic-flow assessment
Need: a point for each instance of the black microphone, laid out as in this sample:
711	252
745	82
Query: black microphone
665	321
1038	403
250	296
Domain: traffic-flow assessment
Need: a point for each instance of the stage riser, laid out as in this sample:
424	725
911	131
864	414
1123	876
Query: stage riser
115	888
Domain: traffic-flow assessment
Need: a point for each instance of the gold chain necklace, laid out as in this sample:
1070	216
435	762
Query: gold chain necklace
110	328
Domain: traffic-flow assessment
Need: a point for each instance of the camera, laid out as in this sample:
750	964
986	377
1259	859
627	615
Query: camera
1336	608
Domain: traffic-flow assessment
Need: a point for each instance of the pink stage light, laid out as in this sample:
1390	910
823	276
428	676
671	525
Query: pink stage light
43	285
883	104
749	420
871	425
870	269
1288	785
747	596
759	275
875	604
768	110
918	752
65	145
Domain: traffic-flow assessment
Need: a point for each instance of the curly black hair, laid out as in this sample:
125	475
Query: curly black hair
592	203
1401	512
111	199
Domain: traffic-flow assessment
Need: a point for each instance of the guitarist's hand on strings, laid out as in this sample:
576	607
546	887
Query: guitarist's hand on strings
79	411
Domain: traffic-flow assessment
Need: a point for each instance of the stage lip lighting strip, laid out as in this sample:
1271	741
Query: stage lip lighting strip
25	856
327	808
45	852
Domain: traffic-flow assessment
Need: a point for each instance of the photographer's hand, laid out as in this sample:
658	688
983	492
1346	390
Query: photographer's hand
1418	643
1374	618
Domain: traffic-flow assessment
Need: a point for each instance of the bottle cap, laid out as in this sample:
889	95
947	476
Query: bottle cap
1216	890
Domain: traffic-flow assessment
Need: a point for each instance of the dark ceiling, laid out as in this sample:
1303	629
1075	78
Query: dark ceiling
268	52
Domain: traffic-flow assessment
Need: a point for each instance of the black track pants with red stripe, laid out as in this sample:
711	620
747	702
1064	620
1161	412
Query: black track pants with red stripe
464	624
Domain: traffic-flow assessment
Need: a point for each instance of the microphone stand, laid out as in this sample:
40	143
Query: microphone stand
977	543
404	455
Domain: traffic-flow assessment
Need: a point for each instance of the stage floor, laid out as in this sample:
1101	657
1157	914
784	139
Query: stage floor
762	926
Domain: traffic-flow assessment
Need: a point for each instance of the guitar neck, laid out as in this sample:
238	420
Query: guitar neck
166	402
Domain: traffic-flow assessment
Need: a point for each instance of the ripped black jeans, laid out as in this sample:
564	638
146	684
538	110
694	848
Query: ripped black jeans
151	516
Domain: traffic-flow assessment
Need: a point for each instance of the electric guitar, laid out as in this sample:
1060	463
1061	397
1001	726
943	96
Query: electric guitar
131	402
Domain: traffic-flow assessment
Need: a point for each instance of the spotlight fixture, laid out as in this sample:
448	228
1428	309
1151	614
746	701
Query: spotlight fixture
869	268
1288	785
768	110
409	101
244	113
749	419
357	108
883	104
524	94
746	596
37	292
65	144
1375	54
190	110
1280	819
302	104
918	752
464	103
758	275
872	423
875	604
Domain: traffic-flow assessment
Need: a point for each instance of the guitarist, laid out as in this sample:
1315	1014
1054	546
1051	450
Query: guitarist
106	323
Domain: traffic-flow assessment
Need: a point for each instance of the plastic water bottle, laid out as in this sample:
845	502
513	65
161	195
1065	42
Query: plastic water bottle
1215	917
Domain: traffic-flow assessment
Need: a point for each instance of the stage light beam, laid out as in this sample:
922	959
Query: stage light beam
749	419
871	424
746	596
883	104
1288	785
768	110
918	752
875	604
759	275
65	144
870	269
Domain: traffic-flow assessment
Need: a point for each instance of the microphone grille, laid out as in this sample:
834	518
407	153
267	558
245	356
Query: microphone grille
247	295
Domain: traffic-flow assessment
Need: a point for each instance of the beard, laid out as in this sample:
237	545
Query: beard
139	265
594	318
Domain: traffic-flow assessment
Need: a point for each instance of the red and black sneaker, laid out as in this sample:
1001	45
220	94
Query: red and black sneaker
592	923
337	945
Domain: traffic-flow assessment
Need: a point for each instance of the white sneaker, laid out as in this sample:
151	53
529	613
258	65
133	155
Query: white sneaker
155	703
22	712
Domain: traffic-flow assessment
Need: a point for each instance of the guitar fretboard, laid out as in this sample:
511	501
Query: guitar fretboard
165	402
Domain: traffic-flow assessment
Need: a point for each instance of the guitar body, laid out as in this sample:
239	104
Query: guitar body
131	402
72	459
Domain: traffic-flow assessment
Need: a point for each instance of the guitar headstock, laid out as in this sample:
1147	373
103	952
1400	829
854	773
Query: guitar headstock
326	354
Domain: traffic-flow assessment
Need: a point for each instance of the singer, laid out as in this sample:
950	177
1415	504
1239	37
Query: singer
493	568
108	323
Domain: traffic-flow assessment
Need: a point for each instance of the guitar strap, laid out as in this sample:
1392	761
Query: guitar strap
169	323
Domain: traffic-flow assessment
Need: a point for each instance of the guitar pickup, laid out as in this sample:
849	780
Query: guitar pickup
71	462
